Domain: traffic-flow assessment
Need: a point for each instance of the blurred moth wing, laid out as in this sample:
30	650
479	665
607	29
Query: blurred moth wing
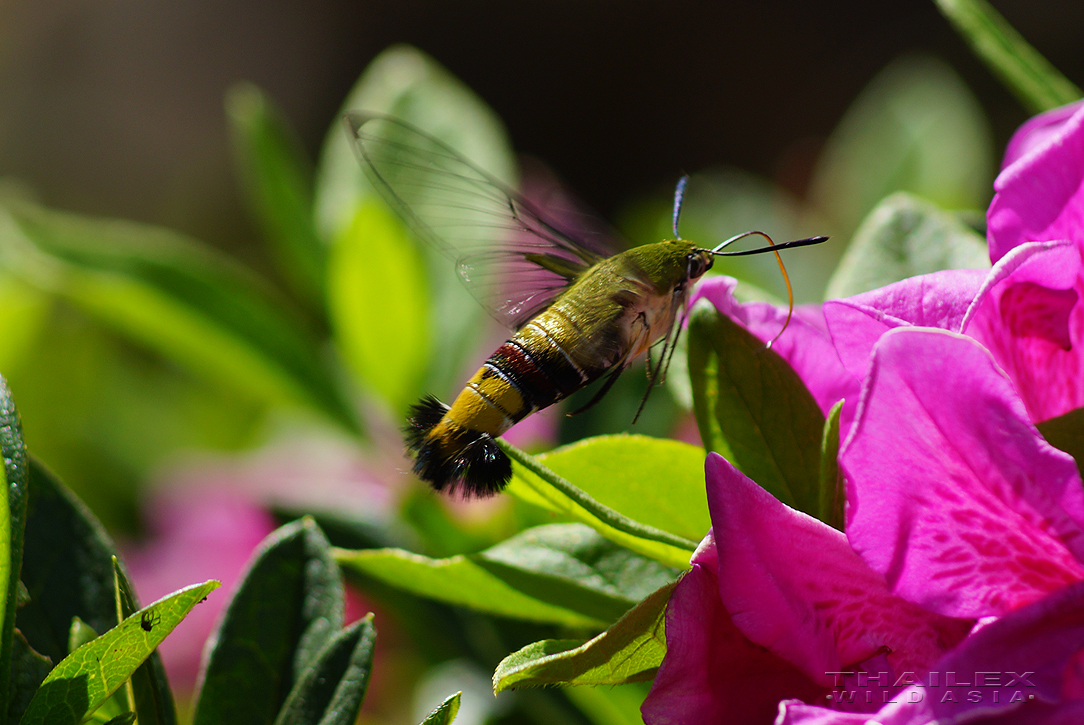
579	313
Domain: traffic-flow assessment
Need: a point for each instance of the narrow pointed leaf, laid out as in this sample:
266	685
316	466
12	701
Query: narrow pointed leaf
287	606
903	237
180	298
84	679
1028	75
332	688
831	480
278	181
150	688
762	412
12	523
629	651
445	712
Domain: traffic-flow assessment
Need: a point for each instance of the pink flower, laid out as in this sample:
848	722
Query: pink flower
778	605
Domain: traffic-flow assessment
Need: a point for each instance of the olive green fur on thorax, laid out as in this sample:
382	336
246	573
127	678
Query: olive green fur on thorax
665	263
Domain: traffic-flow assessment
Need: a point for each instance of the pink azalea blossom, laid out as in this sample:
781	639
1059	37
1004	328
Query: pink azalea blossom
777	605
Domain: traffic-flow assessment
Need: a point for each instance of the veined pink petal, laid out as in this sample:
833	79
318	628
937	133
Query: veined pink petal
794	585
1010	672
1040	194
951	491
713	675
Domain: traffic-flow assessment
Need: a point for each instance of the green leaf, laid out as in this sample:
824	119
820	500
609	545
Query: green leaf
562	573
12	522
656	481
629	651
28	670
379	305
88	676
1066	433
536	484
150	693
903	237
616	705
445	712
406	83
332	687
278	181
831	478
288	605
178	297
753	409
1024	71
119	703
67	568
915	128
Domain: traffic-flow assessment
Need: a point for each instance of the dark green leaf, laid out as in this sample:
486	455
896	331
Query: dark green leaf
277	179
125	719
67	568
563	573
331	689
1066	433
905	237
629	651
83	680
916	127
287	606
754	409
831	480
1027	74
150	688
12	522
445	712
179	297
28	671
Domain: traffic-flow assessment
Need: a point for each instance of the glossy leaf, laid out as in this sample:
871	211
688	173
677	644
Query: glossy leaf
405	83
534	483
917	128
753	408
629	651
84	679
278	181
176	296
831	478
12	522
1066	433
563	573
1028	75
152	697
332	687
288	605
903	237
379	305
445	712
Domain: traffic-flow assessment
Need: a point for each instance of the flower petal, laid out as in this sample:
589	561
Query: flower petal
952	493
1040	195
795	586
712	673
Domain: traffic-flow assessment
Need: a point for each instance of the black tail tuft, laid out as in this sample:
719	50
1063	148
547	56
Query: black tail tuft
458	460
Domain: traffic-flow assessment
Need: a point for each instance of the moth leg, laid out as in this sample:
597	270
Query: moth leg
618	369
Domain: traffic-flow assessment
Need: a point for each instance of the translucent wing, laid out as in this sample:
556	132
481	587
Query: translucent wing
513	257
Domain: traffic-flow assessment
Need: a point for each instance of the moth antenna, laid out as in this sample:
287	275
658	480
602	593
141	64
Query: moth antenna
679	198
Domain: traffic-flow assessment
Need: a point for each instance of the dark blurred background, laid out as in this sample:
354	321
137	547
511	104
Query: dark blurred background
115	107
